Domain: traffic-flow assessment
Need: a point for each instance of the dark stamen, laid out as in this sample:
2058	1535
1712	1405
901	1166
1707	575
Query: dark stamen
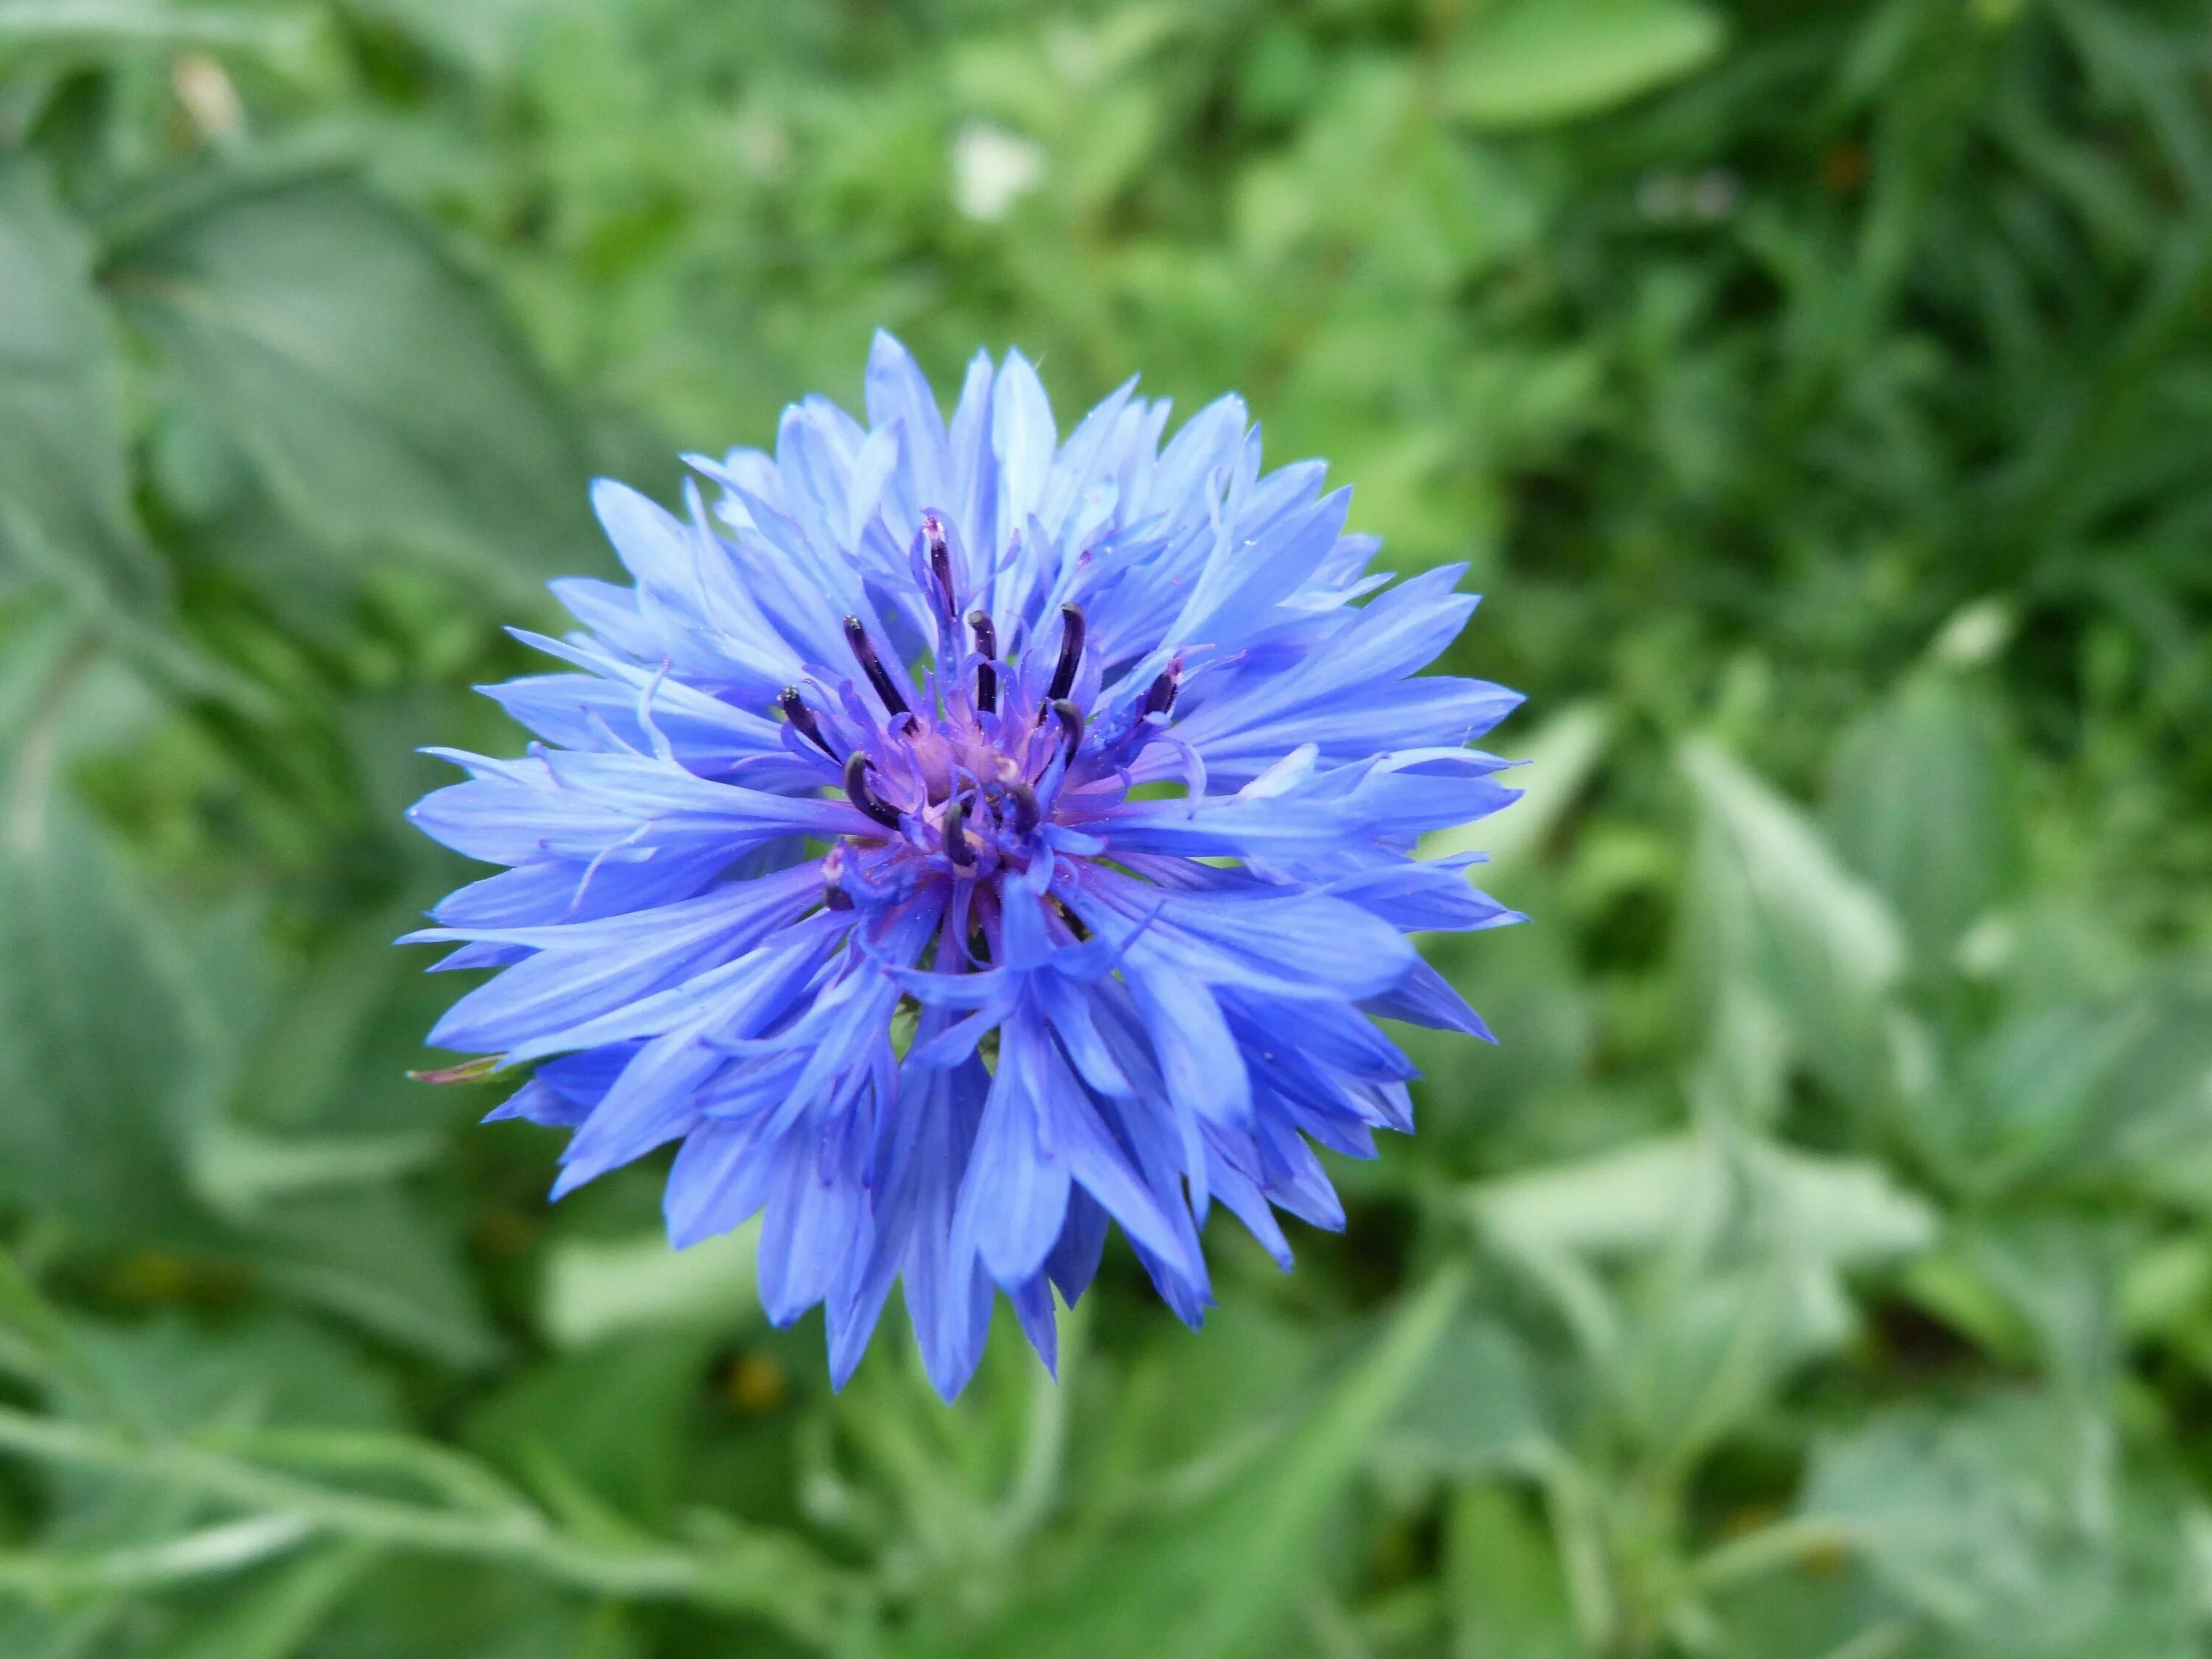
956	844
796	711
1160	697
857	792
864	651
940	559
1027	813
1070	652
1071	723
986	647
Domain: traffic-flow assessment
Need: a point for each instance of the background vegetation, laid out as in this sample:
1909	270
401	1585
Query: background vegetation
1823	394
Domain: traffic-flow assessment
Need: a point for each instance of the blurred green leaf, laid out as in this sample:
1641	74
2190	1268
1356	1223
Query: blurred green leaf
375	386
1222	1580
2008	1526
598	1288
109	1054
141	1569
1508	1600
410	1608
1921	805
1776	921
1695	1273
112	1536
1635	1199
488	37
1530	62
615	1417
101	26
171	1376
239	1172
1477	1409
65	486
2084	1094
277	1619
2060	1275
373	1257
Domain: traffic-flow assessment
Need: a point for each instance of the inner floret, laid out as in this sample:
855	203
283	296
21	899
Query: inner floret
962	785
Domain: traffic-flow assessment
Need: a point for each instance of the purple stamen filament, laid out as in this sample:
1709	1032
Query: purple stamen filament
796	711
857	792
956	763
864	652
1071	723
941	559
986	647
1070	652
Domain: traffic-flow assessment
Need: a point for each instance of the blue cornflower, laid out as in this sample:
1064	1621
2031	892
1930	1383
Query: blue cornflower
960	837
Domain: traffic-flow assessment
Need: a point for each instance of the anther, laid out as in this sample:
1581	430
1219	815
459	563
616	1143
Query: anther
1160	697
940	559
1071	724
986	647
857	792
864	652
1070	652
956	844
796	711
1027	813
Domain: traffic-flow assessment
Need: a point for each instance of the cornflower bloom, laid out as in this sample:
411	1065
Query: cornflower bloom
958	838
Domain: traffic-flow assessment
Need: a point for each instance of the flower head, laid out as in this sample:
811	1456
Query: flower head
959	838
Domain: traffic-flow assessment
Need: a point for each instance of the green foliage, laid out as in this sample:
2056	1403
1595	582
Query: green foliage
1821	1269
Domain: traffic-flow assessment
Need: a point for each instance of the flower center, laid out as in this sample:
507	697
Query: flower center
962	786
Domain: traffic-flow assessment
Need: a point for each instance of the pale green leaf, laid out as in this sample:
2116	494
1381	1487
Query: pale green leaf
596	1288
97	28
1479	1408
2010	1525
1695	1271
1221	1582
1774	916
372	1255
1922	804
109	1053
64	484
277	1616
375	386
1507	1597
1531	62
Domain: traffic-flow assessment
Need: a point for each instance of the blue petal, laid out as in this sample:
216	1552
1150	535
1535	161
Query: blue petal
1014	1196
1424	997
722	1178
589	969
815	1211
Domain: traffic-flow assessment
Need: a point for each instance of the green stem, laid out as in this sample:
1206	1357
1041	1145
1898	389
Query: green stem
231	1547
1044	1440
776	1580
1578	1533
